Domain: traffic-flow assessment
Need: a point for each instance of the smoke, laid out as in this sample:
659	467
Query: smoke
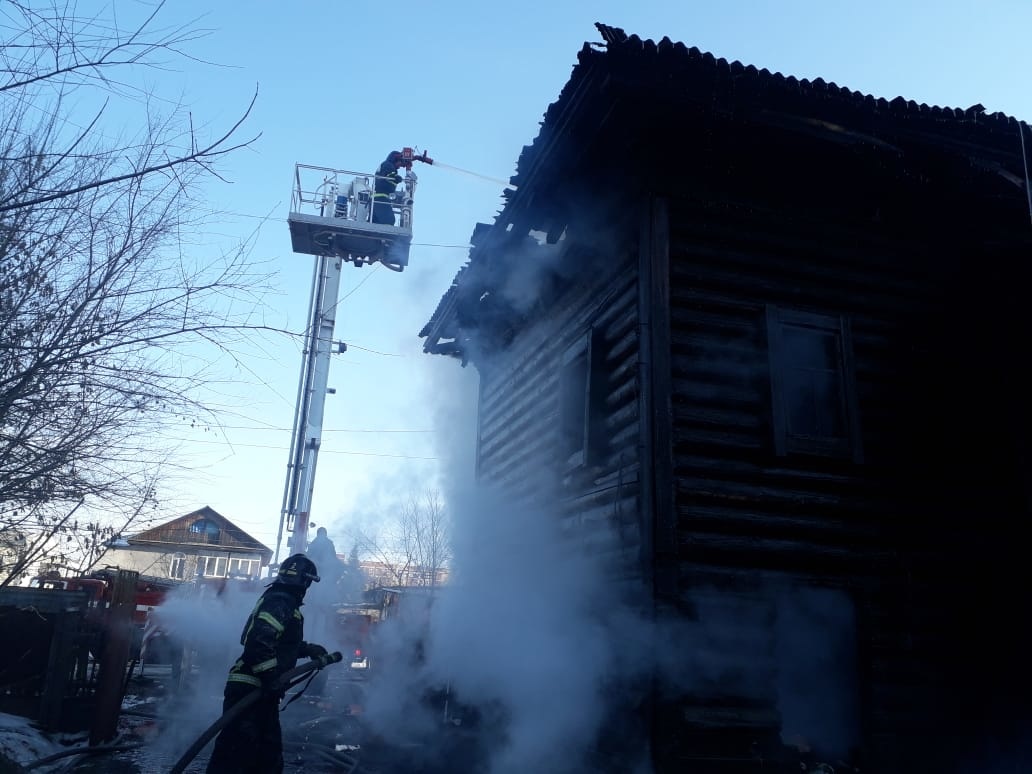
206	623
815	650
527	646
536	648
524	638
531	269
525	631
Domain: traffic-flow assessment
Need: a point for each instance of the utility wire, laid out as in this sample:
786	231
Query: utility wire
321	451
374	351
325	429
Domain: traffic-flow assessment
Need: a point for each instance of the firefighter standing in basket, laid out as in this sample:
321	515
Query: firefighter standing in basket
384	188
273	642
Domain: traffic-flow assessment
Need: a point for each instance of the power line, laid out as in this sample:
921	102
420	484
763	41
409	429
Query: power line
321	451
325	430
365	279
374	351
301	336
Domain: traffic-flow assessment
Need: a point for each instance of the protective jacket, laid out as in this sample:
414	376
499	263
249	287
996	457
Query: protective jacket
387	179
252	743
272	638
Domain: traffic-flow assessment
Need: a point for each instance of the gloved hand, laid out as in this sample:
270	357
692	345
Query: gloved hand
311	650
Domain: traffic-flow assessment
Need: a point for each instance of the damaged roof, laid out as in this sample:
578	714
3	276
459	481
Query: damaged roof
689	75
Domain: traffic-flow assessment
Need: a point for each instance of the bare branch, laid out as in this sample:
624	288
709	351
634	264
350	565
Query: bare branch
413	544
202	156
63	37
110	326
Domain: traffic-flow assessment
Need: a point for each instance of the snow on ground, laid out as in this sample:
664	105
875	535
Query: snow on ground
22	743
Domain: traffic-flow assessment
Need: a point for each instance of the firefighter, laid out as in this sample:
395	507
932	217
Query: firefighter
386	184
322	599
323	552
273	641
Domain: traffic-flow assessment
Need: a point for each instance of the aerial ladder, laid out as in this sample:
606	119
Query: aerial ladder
331	217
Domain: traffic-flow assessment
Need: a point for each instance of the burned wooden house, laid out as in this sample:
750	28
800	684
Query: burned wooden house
770	336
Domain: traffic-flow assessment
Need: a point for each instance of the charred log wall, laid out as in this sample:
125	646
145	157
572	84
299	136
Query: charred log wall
928	500
520	407
864	571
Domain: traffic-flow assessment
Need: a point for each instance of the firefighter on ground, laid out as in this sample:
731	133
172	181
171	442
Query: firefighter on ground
273	640
322	599
386	184
323	552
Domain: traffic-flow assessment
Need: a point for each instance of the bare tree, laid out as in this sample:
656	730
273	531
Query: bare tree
13	546
413	547
51	52
110	325
426	522
386	547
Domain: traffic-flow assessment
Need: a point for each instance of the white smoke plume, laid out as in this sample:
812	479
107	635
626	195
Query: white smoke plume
525	633
208	625
532	632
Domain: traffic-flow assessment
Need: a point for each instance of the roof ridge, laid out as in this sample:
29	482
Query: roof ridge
617	38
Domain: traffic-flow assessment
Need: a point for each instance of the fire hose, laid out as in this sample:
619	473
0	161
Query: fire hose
286	681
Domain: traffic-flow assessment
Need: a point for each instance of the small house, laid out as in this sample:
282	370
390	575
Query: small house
201	544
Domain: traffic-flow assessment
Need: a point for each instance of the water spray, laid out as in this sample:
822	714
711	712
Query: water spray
408	155
475	174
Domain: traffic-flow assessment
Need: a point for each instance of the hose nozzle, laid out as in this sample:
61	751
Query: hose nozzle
330	658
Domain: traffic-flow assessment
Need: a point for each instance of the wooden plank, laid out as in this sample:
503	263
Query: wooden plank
659	526
58	668
44	600
115	657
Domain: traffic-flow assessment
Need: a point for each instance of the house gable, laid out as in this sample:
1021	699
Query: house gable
204	528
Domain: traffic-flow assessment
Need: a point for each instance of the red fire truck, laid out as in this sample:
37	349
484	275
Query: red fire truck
150	592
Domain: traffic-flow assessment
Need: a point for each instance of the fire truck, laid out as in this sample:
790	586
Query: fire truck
352	632
150	593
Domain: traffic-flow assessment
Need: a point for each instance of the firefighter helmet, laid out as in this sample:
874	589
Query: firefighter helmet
298	570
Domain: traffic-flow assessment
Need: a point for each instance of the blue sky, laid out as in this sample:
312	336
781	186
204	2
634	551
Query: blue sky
340	84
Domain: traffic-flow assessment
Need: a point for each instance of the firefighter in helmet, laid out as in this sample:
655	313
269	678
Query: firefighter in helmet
385	186
273	640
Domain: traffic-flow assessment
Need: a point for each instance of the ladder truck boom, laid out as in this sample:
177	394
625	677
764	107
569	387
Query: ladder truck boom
332	217
311	400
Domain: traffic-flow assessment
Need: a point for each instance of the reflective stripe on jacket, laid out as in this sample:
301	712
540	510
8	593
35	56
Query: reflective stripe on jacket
272	638
387	179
